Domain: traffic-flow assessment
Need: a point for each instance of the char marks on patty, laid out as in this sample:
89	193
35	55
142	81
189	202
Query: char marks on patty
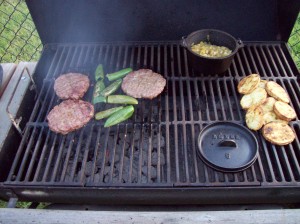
71	86
70	115
143	83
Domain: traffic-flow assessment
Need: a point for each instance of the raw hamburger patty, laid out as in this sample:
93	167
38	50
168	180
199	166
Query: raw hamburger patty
143	83
71	86
70	115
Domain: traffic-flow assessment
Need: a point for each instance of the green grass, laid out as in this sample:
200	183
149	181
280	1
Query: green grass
22	204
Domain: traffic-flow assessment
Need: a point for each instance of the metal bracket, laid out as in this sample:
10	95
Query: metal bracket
12	203
16	121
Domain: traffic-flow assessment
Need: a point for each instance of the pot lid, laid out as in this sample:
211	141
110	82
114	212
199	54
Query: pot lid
227	146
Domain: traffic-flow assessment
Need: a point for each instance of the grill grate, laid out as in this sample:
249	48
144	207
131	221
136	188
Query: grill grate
157	147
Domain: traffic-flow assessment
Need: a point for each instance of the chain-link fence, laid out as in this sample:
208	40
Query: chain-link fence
294	42
19	40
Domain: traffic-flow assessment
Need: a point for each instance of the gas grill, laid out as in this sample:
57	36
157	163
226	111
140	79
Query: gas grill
152	158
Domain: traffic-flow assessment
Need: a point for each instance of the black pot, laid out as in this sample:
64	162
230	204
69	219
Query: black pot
208	65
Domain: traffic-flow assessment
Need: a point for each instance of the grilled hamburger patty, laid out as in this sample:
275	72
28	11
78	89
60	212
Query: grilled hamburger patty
143	83
70	115
71	86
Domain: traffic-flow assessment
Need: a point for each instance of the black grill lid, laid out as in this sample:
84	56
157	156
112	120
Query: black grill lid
227	146
73	21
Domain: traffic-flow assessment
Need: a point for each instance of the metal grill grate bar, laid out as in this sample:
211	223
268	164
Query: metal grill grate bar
158	146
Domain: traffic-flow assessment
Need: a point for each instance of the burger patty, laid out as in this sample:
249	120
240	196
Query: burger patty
71	86
143	83
70	115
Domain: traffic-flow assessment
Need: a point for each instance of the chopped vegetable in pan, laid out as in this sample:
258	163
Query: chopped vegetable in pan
209	50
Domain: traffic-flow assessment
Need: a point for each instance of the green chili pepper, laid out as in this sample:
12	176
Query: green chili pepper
111	88
99	73
119	116
107	113
98	88
121	99
97	97
118	74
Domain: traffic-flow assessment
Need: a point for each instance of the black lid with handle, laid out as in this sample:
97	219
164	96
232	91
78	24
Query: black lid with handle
227	146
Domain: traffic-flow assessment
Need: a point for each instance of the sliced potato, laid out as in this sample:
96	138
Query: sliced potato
257	97
278	133
271	116
276	91
246	101
262	83
248	84
268	104
254	118
284	111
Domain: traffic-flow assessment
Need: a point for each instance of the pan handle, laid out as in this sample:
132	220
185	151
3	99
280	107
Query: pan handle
240	43
183	42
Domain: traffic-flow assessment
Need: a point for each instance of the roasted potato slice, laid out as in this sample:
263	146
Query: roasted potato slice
268	104
257	97
284	111
271	116
248	84
254	118
246	101
278	133
262	83
276	91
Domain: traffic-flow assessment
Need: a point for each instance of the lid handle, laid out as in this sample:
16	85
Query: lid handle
227	143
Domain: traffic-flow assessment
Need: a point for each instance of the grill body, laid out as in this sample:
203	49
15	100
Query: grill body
153	156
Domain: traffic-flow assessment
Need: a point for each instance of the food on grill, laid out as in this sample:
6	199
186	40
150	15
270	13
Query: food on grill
71	86
248	84
246	101
276	91
255	98
70	115
273	112
278	133
119	74
209	50
284	111
113	87
268	104
262	83
97	97
254	118
99	73
271	116
143	83
119	116
106	113
121	99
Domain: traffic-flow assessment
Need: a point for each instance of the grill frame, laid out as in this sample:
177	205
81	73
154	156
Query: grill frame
180	77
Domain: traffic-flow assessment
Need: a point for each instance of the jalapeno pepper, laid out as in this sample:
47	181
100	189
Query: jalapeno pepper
119	74
113	87
97	97
106	113
121	99
119	116
99	73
